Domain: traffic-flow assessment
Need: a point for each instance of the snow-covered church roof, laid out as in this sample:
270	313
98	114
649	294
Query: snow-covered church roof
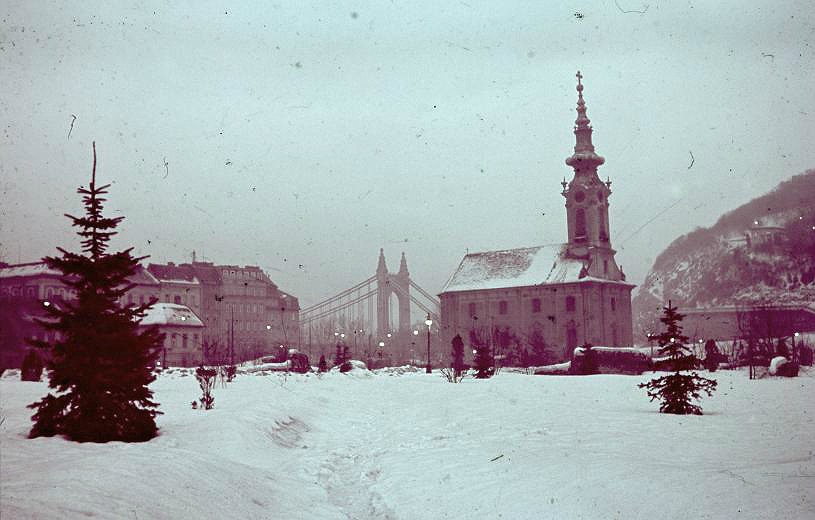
171	314
522	267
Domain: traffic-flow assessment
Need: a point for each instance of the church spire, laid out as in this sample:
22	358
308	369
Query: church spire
381	267
583	159
403	265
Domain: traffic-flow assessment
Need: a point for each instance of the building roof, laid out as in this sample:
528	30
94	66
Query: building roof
34	269
27	270
527	266
206	272
142	277
171	314
290	302
173	273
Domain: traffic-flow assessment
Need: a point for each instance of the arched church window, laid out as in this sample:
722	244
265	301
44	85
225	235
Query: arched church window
580	222
601	222
570	306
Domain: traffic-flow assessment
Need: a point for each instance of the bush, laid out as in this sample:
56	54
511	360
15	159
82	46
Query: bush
805	356
610	361
31	369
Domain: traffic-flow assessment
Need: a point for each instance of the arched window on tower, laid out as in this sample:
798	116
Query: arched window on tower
601	222
580	223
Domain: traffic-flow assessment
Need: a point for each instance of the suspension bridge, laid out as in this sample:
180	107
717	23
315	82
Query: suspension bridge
362	318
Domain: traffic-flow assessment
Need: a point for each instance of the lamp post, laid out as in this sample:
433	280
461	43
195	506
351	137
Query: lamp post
428	322
794	357
413	346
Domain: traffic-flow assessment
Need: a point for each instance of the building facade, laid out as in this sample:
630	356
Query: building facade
241	312
562	294
244	313
182	328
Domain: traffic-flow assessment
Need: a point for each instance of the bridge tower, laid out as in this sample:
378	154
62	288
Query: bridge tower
387	284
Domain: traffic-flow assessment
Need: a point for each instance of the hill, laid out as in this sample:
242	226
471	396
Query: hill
763	251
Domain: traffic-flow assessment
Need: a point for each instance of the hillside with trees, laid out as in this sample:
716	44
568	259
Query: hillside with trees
761	252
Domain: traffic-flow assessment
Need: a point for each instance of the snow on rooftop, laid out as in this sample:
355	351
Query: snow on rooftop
171	314
32	269
515	268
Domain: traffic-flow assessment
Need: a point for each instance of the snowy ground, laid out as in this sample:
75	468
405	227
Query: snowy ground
411	446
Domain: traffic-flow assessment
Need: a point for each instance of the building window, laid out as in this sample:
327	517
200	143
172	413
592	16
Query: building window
605	266
177	300
613	304
580	222
183	341
471	309
502	307
570	303
141	299
536	304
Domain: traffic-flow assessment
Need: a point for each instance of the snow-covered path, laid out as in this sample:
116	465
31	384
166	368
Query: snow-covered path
412	446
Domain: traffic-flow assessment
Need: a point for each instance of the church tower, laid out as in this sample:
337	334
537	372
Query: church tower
587	202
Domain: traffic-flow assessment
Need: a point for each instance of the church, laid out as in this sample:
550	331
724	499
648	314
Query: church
562	294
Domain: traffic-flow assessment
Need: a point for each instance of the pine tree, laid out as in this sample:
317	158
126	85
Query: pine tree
677	390
457	355
101	365
484	363
322	365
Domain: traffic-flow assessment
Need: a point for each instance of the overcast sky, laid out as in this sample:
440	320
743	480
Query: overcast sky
303	136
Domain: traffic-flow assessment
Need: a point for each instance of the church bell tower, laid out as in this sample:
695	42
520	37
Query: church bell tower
587	202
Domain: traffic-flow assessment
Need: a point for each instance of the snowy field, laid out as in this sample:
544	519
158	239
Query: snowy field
412	446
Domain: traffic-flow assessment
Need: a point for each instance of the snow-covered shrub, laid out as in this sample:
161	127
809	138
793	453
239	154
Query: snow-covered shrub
611	360
584	361
781	366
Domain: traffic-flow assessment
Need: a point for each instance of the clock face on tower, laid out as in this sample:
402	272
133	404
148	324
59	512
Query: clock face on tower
579	196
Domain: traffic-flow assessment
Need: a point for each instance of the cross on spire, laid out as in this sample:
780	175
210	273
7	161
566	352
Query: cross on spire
579	77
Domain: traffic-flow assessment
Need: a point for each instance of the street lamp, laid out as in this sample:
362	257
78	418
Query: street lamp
793	346
428	322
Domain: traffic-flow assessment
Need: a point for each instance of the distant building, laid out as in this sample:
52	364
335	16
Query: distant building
178	285
745	322
568	294
25	290
761	231
244	313
183	337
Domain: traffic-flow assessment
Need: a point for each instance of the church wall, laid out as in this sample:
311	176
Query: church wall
591	318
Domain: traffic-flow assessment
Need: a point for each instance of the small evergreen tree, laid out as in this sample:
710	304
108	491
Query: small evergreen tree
322	365
712	355
677	390
586	364
457	355
31	369
483	361
339	354
102	364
